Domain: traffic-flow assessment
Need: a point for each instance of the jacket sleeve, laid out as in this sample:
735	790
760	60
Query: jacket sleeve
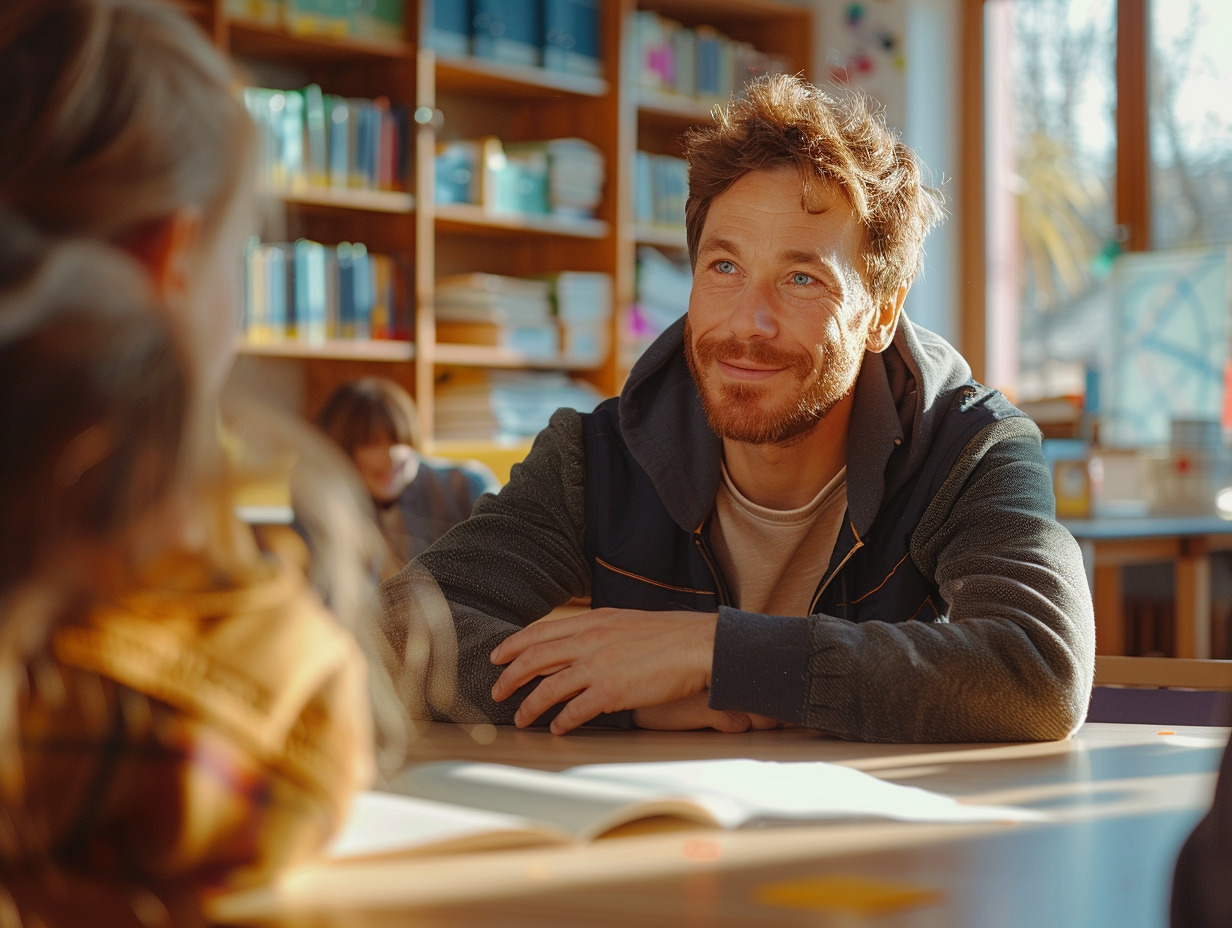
519	556
1014	661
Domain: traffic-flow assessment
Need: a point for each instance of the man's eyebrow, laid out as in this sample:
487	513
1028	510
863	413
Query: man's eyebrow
794	256
719	244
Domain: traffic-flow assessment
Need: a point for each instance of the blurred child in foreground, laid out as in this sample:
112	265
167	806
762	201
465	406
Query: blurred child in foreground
181	712
417	498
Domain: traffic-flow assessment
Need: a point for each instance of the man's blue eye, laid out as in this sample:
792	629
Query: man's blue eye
801	278
725	267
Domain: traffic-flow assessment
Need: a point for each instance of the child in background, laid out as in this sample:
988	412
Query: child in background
182	713
418	499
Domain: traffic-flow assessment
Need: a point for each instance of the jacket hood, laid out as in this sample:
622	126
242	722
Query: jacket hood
893	418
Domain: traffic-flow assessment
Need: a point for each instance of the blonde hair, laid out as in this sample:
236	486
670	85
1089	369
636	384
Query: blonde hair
834	137
117	114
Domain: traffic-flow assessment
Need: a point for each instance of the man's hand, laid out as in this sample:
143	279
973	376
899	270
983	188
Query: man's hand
692	713
606	660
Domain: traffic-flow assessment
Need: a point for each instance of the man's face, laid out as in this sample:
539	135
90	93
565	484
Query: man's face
780	314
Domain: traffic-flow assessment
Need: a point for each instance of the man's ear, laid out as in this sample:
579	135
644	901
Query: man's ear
164	247
885	322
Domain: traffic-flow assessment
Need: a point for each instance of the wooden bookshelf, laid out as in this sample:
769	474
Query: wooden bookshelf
332	349
452	97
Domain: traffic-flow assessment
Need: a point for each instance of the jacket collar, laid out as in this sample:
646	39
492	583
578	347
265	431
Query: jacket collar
666	430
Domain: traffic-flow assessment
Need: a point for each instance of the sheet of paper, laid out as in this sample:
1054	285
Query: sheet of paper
803	790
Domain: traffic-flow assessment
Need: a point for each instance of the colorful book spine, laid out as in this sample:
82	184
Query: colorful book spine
309	292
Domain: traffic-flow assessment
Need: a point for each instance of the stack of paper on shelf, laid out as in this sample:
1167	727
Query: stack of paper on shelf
584	310
575	177
506	405
493	309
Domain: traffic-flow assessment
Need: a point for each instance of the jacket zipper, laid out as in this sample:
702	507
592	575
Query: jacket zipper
715	573
834	573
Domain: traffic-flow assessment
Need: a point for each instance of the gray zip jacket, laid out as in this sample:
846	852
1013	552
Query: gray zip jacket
1008	657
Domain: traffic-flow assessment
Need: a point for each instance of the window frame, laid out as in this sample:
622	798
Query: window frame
1133	161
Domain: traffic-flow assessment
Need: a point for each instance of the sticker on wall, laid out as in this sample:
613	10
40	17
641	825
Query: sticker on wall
870	43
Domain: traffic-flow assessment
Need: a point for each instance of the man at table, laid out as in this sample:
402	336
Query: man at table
801	509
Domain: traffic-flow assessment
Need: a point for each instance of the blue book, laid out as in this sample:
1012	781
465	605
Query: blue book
361	281
316	135
508	30
571	37
449	27
309	261
276	292
346	291
366	131
339	114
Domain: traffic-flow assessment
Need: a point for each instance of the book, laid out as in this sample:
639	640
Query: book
453	806
571	37
510	31
539	342
339	139
316	135
449	27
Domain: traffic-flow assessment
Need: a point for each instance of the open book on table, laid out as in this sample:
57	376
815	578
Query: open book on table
456	806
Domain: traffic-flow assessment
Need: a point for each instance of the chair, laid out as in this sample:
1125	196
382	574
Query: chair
1161	691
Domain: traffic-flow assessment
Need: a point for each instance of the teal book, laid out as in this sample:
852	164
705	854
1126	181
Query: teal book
339	141
309	259
510	31
571	37
316	136
449	27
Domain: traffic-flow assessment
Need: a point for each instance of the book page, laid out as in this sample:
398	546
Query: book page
745	791
386	823
583	807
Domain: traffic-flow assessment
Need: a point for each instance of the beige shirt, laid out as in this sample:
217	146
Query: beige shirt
774	559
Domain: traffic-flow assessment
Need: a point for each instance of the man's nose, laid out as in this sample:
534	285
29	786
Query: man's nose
753	315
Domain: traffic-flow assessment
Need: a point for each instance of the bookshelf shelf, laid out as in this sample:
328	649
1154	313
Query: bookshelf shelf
466	218
487	356
660	106
477	75
274	43
334	349
659	236
378	201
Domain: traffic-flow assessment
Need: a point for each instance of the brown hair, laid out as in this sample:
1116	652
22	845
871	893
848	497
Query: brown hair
835	137
116	114
369	410
94	398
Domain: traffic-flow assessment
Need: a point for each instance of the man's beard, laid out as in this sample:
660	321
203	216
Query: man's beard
735	410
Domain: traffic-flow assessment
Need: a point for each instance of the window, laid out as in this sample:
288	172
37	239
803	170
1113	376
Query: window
1106	132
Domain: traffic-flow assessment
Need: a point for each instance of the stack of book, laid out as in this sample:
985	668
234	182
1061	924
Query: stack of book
700	63
558	35
562	317
491	309
661	187
506	405
575	177
309	292
558	177
311	139
663	287
584	311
